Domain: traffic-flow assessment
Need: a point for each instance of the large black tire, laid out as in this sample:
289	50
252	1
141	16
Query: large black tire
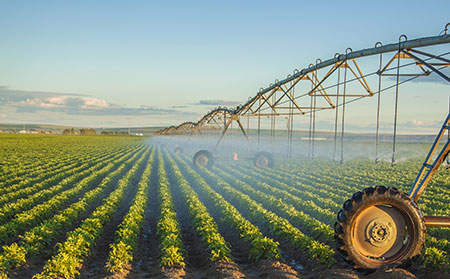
263	160
203	158
379	227
178	150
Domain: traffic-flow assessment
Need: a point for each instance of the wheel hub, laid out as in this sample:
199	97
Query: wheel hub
378	232
202	160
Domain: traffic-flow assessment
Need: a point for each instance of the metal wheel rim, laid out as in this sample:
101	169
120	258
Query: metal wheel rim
262	161
380	233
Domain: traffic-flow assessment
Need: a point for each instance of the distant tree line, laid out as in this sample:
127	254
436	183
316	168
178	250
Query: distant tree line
90	131
69	132
111	133
87	131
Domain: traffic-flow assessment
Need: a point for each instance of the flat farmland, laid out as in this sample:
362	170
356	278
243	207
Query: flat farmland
123	207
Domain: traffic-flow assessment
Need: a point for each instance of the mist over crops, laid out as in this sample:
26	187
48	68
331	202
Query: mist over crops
323	147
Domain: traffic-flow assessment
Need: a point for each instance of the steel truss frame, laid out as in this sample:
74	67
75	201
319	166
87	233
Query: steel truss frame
281	98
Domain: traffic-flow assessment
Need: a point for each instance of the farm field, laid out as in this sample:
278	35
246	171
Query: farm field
123	207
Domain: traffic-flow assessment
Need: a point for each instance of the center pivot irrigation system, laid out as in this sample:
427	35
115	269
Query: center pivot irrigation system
378	226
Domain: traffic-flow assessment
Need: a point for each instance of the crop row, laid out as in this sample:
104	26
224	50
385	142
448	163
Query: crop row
299	199
282	203
204	224
23	191
277	225
321	195
72	177
168	229
260	247
71	253
121	253
41	173
21	158
38	238
35	215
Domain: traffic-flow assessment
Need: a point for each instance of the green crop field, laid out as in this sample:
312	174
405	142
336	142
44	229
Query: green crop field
116	207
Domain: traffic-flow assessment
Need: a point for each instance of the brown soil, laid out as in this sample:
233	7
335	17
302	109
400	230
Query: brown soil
228	270
275	269
173	273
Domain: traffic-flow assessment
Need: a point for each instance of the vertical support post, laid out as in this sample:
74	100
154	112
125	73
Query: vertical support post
259	124
396	106
314	129
343	114
291	123
337	113
310	129
248	123
273	122
378	111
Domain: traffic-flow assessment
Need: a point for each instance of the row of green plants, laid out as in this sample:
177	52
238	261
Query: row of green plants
41	173
282	203
203	223
323	194
55	177
34	175
26	156
35	241
71	253
16	170
260	247
168	229
121	253
319	195
73	176
280	227
29	218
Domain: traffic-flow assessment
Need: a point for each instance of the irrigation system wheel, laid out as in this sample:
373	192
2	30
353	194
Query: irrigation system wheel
263	160
379	227
203	158
178	150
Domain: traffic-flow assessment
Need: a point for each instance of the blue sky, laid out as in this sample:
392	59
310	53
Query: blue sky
146	63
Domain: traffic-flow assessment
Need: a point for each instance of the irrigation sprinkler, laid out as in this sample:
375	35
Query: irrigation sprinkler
379	226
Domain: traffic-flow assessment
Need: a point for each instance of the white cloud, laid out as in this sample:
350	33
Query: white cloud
77	109
93	103
418	123
57	100
217	103
45	103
